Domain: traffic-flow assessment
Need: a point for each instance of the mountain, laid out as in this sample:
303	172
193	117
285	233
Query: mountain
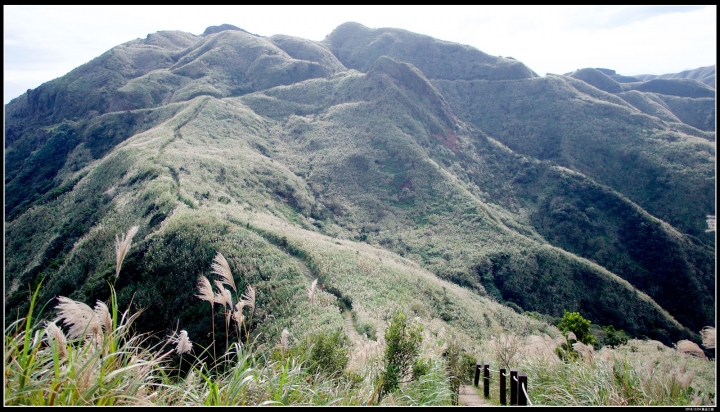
402	171
704	75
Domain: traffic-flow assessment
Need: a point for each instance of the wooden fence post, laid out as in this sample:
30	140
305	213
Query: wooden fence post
513	387
486	381
477	374
522	382
503	394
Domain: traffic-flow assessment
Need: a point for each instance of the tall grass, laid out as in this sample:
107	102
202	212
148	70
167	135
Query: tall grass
609	379
102	367
102	360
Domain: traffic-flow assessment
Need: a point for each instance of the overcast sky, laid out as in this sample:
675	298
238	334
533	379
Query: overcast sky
45	42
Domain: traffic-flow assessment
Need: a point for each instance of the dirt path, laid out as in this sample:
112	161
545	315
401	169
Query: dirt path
352	333
469	397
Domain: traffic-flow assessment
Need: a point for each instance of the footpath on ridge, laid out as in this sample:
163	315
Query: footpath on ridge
470	397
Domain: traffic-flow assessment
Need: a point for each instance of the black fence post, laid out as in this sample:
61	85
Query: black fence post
513	387
522	383
503	394
486	381
477	374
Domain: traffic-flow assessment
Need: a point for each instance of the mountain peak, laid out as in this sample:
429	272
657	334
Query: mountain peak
222	27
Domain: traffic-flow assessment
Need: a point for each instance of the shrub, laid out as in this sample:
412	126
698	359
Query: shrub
328	353
403	347
614	337
573	322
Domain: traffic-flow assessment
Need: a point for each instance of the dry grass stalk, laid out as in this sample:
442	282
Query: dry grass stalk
222	269
708	337
224	297
207	294
81	319
56	334
690	348
284	341
122	245
311	291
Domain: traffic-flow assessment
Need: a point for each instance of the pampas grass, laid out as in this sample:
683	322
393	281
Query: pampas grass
122	245
81	318
248	299
225	299
56	338
222	269
182	342
690	348
708	337
113	367
311	291
284	341
207	294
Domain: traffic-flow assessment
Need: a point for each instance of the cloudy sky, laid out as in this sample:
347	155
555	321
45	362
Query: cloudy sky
45	42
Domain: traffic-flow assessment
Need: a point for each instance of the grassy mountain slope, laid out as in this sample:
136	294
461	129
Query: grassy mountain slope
340	160
601	136
703	74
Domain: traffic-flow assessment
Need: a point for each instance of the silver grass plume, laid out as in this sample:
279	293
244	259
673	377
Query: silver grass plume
182	341
584	350
81	319
122	245
311	291
222	269
690	348
226	298
284	341
223	297
103	314
238	316
708	337
56	334
205	290
249	297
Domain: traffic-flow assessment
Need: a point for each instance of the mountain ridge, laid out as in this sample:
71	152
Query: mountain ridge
480	172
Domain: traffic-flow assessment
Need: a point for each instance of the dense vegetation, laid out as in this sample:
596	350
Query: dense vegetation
411	179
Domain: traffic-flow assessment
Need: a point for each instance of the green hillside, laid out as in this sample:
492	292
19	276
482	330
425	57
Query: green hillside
402	172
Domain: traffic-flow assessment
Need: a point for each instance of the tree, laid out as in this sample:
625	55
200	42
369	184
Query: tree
573	322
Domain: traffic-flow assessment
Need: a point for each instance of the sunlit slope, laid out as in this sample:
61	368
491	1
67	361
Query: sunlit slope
544	194
213	204
192	182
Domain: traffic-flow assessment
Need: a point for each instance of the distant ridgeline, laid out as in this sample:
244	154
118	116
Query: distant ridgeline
584	192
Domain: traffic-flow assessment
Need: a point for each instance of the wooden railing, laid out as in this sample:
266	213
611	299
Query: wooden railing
518	385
